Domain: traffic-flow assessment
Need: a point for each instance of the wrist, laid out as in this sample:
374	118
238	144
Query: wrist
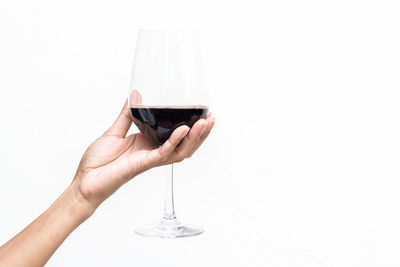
78	206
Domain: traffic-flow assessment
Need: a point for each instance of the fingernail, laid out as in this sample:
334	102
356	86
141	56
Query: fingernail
212	122
205	126
209	124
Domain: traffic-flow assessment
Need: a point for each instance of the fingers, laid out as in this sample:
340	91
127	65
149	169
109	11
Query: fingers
163	153
185	148
210	126
182	143
122	123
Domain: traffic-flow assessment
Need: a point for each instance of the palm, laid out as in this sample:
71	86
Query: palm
108	149
111	160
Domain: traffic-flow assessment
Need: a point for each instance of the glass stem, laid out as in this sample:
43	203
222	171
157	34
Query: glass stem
169	212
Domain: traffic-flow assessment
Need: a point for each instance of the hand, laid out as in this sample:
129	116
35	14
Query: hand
114	158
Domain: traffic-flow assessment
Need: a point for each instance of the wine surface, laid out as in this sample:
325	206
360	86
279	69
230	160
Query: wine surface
158	122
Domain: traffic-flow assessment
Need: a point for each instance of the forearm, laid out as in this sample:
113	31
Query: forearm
37	242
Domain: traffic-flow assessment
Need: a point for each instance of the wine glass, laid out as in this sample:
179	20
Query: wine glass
167	91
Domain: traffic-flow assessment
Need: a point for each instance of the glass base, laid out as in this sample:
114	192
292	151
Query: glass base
169	228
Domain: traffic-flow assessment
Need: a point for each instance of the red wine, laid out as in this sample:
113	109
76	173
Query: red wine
158	122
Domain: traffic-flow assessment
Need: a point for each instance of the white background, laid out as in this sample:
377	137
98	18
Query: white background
302	168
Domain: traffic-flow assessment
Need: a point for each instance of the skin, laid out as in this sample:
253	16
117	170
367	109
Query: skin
109	162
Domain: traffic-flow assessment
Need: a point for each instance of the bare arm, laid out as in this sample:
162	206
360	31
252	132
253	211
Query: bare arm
38	241
112	160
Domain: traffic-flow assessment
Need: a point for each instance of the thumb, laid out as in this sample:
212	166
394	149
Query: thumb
122	124
124	121
135	98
